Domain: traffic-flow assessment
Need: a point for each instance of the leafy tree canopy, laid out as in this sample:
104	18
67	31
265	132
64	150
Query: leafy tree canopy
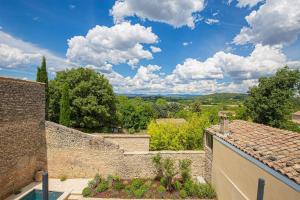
270	102
92	100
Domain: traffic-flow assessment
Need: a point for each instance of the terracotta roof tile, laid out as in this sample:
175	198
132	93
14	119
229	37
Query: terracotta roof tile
277	148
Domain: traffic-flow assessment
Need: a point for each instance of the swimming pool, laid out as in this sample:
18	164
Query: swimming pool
38	195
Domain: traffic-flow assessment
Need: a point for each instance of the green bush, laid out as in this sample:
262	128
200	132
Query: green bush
204	191
163	181
161	189
185	169
136	183
118	185
183	194
86	191
157	161
103	186
169	172
177	185
92	184
139	193
189	187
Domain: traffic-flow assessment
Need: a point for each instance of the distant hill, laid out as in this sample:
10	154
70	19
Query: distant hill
216	98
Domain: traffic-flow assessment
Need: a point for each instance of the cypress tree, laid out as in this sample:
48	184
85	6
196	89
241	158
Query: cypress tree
42	76
64	115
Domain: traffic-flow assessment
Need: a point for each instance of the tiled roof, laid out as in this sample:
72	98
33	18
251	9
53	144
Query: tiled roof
277	148
296	113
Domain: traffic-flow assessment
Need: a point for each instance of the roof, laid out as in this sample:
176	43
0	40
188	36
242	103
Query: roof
296	113
177	121
279	149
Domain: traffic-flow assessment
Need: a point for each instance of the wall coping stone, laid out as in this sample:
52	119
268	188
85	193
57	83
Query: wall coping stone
162	152
20	80
113	135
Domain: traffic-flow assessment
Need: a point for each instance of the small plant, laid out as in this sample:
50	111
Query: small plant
163	181
177	185
205	191
87	191
63	178
161	190
103	186
169	172
183	194
139	193
97	178
189	187
157	161
92	184
185	169
118	185
136	183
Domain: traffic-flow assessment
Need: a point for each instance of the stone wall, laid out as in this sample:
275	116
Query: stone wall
129	142
22	133
207	160
79	155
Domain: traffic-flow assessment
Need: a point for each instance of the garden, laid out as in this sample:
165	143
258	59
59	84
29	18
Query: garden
171	182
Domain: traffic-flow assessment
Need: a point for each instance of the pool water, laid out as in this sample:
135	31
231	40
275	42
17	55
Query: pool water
38	195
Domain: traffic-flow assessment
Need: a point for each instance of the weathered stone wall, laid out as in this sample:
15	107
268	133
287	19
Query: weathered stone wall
77	155
129	142
207	161
22	133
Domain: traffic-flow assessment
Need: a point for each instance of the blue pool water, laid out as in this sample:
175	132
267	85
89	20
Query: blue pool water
38	195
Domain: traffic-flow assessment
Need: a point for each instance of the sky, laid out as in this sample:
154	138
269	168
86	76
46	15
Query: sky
153	47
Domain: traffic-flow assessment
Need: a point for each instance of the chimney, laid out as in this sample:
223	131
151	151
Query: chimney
224	123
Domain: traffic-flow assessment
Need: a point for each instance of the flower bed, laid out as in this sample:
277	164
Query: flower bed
169	184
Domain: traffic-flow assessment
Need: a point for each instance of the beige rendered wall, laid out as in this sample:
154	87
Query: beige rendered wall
22	133
79	155
129	142
236	178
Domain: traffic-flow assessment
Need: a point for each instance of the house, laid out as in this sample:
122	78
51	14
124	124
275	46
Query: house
296	117
245	160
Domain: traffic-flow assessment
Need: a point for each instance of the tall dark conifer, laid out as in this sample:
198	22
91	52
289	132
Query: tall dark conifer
42	76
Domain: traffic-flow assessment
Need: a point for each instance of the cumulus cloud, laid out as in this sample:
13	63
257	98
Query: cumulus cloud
186	43
249	3
174	12
16	53
155	49
121	43
223	72
275	22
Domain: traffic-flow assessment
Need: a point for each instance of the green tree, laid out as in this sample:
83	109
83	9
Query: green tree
270	102
92	100
64	116
42	76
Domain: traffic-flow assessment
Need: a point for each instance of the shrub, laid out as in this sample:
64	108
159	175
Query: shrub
161	189
183	194
177	185
87	191
97	179
92	184
157	161
169	172
185	169
63	178
163	181
103	186
189	187
205	191
139	193
118	185
136	183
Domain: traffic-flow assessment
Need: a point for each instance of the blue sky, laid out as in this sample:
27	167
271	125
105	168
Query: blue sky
190	47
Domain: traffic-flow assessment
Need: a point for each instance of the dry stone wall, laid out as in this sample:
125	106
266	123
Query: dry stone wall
22	133
75	154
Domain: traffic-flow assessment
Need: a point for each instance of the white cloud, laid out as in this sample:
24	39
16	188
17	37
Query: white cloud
121	43
275	22
186	43
1	27
16	53
72	6
174	12
211	21
250	3
223	72
155	49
